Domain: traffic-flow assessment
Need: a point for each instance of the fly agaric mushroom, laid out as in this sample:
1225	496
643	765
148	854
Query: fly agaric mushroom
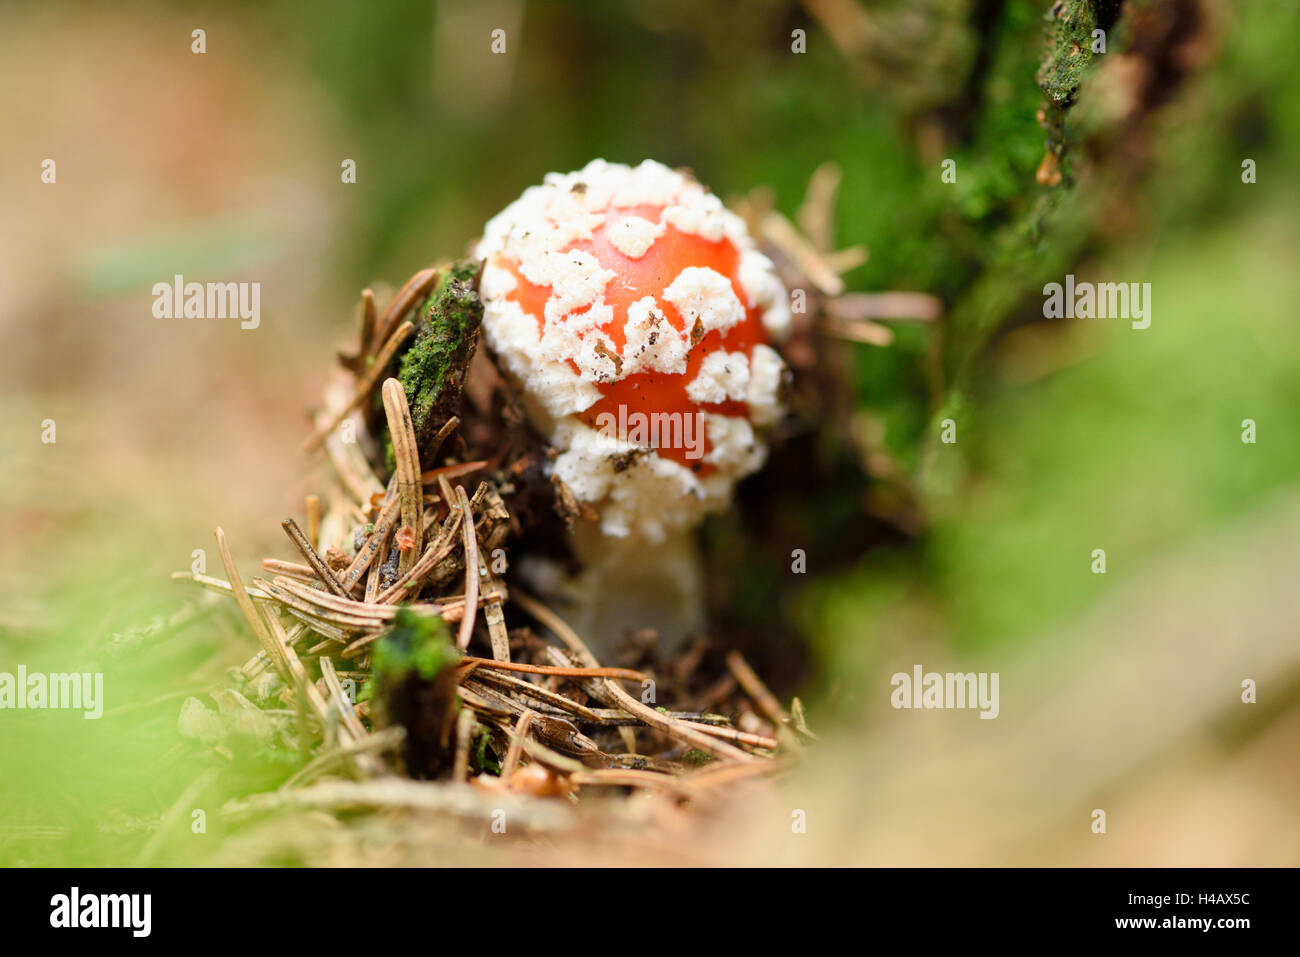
633	312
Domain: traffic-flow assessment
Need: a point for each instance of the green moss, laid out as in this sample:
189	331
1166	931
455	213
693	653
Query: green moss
416	644
1069	43
482	757
1069	49
432	371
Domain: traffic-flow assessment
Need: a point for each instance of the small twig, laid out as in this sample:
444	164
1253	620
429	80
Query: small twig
212	584
257	664
517	737
305	603
409	487
844	260
691	734
656	719
471	569
810	261
558	732
558	626
719	775
732	734
346	606
298	674
400	794
329	625
613	717
459	470
916	306
384	524
495	617
296	570
313	557
541	754
376	569
368	317
799	721
356	646
453	606
448	427
365	747
415	289
766	701
341	700
273	651
816	215
858	330
538	693
630	778
464	732
624	674
438	549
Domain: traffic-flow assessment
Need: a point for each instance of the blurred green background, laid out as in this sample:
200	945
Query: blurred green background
1071	435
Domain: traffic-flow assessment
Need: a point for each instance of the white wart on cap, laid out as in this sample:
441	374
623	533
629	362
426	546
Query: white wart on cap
634	312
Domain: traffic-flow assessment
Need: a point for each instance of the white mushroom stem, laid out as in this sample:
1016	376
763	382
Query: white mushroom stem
628	583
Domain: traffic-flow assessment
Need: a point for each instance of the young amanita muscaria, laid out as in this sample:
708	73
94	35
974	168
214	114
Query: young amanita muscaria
633	312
